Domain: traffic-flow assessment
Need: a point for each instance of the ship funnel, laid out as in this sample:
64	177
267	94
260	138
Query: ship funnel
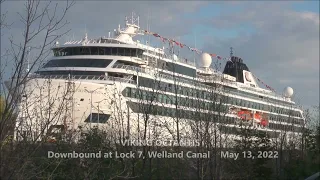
235	68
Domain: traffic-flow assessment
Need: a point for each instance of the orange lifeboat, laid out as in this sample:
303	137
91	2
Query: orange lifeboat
264	122
245	115
257	116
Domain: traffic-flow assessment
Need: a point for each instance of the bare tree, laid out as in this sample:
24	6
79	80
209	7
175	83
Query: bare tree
40	21
43	24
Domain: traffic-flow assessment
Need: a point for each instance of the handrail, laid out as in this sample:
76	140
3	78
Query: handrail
86	77
216	76
213	78
164	76
128	67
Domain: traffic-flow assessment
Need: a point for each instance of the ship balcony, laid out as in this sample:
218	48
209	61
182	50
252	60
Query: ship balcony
130	68
175	78
86	77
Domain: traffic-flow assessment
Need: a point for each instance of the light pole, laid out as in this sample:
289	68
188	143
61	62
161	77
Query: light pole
91	92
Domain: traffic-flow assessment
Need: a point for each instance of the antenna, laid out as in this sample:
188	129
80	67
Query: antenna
231	52
148	25
195	46
139	22
178	47
132	18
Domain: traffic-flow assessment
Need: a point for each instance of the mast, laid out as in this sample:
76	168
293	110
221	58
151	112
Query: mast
132	29
195	46
236	62
231	52
178	48
148	28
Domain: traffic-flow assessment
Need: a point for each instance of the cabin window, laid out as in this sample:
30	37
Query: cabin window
107	51
94	51
133	93
101	51
82	73
97	118
127	52
128	92
84	51
160	98
100	63
69	51
121	51
133	53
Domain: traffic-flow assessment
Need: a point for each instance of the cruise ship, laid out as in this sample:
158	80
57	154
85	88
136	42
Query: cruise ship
131	89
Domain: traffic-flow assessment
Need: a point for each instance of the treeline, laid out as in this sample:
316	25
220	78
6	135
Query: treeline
26	160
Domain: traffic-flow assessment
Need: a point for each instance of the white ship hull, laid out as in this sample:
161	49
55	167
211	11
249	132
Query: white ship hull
49	104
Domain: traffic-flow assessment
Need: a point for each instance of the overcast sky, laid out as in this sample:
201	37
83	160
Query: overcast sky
279	41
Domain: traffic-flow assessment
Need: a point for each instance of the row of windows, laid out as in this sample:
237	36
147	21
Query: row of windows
114	51
236	92
174	100
176	68
237	131
259	106
179	113
284	127
197	103
99	63
255	96
154	53
195	115
97	118
71	73
161	64
239	92
157	85
285	119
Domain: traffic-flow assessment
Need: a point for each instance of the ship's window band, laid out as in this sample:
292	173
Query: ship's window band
98	118
181	113
114	51
150	83
99	63
237	131
67	73
176	68
195	103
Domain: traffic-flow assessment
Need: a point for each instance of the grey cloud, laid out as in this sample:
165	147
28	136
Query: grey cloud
98	17
283	50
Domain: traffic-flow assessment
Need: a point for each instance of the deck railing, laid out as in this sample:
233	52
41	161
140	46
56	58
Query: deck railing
86	77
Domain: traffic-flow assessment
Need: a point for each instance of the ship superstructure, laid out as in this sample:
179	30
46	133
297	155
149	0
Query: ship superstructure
123	85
